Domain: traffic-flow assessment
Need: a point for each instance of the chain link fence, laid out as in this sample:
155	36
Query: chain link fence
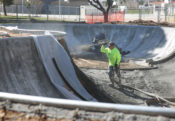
78	14
62	13
165	14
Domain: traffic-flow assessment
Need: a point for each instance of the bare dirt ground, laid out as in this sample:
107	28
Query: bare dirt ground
10	111
11	34
100	64
132	75
147	23
140	79
7	33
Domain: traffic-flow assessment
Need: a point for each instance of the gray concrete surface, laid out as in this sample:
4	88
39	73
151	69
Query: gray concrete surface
21	69
159	82
50	49
144	42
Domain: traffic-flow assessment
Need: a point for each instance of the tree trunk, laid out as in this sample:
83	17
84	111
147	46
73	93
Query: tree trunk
105	17
4	8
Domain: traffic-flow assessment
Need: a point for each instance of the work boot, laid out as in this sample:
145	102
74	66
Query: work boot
112	84
119	81
119	78
112	81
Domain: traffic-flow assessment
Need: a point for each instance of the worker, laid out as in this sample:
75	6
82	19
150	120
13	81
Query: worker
114	58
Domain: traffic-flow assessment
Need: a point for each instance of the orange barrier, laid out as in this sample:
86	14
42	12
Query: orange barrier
113	17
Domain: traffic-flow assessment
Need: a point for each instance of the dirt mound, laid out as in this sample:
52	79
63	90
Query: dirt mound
26	112
147	23
100	64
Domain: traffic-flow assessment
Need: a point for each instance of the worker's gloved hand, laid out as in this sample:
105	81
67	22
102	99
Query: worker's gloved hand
117	66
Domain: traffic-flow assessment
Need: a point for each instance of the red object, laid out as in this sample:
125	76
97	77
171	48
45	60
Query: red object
113	17
157	2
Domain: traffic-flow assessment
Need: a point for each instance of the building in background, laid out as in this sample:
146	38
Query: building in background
44	5
166	6
163	3
55	2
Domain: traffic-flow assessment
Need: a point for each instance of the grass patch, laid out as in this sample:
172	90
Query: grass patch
146	11
13	19
33	19
17	19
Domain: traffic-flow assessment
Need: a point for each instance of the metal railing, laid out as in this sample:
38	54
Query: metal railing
91	106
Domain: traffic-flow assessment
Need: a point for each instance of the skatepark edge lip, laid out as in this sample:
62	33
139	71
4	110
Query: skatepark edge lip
49	48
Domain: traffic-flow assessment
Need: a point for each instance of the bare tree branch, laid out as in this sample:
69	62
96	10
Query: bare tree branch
97	4
110	2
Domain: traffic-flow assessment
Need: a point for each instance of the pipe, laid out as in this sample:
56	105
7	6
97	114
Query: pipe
92	106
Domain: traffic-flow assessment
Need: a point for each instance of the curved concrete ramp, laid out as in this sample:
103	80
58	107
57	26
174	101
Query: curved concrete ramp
144	42
22	71
57	62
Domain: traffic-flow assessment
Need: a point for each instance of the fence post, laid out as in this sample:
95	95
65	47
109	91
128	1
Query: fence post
47	13
17	12
124	15
79	15
0	11
169	18
92	17
158	16
140	14
166	13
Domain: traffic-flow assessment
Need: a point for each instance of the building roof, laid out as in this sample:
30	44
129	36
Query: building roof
160	2
157	2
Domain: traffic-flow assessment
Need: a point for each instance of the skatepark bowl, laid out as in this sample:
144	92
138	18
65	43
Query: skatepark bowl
42	64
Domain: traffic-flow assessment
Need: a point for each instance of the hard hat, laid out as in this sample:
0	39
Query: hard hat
111	43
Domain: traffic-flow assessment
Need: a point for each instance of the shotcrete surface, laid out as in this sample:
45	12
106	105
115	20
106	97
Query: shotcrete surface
22	71
158	81
149	42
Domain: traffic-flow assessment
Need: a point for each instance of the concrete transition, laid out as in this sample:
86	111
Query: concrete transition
144	42
20	58
22	71
39	66
55	57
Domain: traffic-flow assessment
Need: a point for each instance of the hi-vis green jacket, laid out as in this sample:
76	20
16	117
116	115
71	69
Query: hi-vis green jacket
113	55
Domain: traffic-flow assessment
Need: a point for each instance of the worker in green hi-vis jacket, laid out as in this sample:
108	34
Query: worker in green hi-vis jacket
114	58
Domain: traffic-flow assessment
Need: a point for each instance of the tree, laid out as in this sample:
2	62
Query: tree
28	6
104	7
98	4
6	3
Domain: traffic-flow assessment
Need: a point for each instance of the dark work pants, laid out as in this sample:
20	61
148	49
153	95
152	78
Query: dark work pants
113	69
